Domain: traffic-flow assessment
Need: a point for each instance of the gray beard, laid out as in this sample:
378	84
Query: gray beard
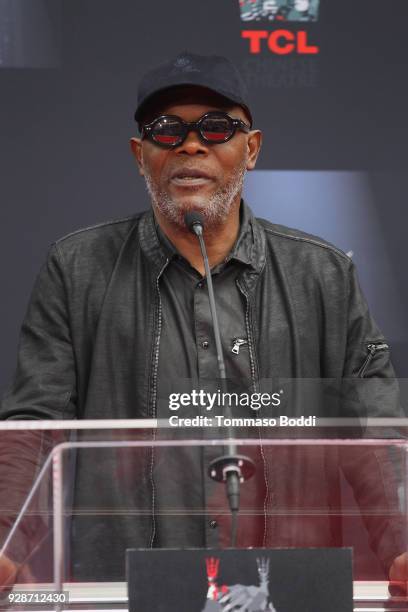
214	210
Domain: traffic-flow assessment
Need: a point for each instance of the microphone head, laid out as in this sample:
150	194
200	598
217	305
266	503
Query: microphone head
194	220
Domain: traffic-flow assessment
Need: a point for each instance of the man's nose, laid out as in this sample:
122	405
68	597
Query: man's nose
192	145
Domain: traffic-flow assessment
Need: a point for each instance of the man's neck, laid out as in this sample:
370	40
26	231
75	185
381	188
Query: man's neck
219	240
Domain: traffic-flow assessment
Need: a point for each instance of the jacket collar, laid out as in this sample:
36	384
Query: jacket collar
248	249
149	241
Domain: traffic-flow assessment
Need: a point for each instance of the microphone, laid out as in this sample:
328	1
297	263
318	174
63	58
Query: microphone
230	468
194	221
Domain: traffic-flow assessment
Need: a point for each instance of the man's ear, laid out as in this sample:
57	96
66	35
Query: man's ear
254	146
136	146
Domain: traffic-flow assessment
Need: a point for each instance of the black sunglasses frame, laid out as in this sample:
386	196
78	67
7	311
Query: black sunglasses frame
195	126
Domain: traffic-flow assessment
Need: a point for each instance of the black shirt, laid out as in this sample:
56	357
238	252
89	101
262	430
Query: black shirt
190	509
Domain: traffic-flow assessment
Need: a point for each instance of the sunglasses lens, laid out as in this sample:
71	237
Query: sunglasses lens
170	131
167	131
216	128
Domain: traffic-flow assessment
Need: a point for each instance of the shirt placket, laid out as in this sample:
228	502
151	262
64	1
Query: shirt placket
207	365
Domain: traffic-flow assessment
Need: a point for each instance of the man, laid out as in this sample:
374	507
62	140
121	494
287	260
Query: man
119	316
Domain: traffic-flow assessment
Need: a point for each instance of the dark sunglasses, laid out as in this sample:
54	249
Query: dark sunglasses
214	127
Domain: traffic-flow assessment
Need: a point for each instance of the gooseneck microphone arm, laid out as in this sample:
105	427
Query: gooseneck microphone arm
198	231
231	468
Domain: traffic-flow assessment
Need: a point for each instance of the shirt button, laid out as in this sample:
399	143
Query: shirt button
213	524
205	344
200	285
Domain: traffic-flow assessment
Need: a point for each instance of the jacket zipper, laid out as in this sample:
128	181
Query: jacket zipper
249	336
238	342
153	400
157	344
255	386
372	350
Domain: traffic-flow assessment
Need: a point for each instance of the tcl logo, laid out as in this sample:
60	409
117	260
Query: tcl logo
281	42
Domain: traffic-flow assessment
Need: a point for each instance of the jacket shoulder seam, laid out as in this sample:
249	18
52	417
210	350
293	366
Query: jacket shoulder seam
96	226
310	241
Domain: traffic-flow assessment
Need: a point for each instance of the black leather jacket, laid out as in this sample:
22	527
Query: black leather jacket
90	344
96	303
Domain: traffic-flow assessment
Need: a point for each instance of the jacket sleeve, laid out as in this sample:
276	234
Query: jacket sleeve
370	379
362	332
44	384
44	387
371	390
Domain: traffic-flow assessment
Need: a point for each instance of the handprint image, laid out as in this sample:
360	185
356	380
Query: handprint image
238	597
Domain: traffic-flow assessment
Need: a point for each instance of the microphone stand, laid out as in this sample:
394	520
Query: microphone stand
231	468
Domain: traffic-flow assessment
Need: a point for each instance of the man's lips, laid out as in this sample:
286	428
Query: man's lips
188	177
189	173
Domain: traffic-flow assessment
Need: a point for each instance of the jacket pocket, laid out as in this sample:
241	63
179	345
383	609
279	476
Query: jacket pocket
372	349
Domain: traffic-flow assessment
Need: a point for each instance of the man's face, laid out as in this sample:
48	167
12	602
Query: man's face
197	175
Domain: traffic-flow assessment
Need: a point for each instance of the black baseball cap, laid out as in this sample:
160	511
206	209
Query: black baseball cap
212	72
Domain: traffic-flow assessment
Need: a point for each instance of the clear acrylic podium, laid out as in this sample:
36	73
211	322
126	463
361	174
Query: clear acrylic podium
76	494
